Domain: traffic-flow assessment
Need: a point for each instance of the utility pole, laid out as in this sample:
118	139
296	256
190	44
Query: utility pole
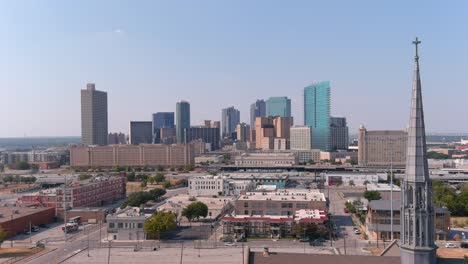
344	240
181	252
65	213
88	241
108	253
391	193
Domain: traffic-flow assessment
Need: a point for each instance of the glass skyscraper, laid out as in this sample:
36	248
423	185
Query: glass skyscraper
317	114
182	120
230	118
257	109
161	120
278	106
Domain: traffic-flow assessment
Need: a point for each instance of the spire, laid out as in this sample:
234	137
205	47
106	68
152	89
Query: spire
416	160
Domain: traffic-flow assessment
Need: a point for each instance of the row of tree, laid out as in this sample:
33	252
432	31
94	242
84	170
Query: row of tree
454	198
18	179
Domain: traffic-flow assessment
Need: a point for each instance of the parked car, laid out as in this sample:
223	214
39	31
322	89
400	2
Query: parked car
229	244
357	232
35	228
303	239
317	242
27	232
464	245
450	245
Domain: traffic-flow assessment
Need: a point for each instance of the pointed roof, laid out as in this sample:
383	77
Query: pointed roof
416	160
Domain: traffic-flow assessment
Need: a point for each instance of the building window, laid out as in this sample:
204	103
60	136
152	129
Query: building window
111	225
120	225
246	204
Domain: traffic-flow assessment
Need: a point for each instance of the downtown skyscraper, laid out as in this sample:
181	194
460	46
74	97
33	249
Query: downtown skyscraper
162	120
317	114
278	106
93	116
182	120
257	109
230	118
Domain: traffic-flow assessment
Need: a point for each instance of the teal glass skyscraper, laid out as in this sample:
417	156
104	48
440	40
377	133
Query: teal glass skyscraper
278	106
182	120
317	114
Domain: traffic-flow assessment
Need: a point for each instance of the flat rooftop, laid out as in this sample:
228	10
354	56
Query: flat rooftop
285	195
10	212
181	201
382	187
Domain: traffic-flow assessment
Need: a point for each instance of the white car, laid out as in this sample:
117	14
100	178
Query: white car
357	232
229	244
450	245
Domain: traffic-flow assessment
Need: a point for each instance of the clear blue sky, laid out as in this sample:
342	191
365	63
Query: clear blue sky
149	54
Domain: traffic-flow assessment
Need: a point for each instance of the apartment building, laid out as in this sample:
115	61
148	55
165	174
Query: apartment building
266	159
381	148
218	185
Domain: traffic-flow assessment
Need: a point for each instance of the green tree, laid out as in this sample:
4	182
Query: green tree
309	230
189	167
436	155
151	180
159	178
160	168
195	211
84	177
351	183
167	185
2	236
23	165
119	168
159	223
372	195
139	198
131	177
158	193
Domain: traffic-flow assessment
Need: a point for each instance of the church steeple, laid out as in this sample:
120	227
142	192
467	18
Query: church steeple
417	212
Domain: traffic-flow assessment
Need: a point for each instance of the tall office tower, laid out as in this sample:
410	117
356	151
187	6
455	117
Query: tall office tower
283	126
317	114
208	135
182	119
257	109
417	212
339	134
264	128
278	106
141	132
116	139
161	120
212	124
93	116
381	147
243	132
301	137
230	118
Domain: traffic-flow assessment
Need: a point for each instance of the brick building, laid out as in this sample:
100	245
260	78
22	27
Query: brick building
18	219
132	155
45	198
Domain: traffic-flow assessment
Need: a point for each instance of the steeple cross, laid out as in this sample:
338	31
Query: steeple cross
416	43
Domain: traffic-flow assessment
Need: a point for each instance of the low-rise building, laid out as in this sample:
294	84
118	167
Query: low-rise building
277	179
357	179
208	159
378	220
270	159
127	224
44	198
307	155
218	185
216	206
18	219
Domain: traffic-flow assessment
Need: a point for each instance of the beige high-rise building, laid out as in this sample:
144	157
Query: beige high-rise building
272	127
93	116
382	147
301	137
243	132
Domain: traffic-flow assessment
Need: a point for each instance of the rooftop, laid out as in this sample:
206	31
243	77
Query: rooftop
9	212
382	187
130	212
285	195
299	258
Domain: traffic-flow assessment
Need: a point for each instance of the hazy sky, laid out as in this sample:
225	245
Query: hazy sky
149	54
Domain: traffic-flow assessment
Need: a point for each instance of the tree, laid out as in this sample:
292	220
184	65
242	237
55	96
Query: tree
84	177
139	198
372	195
195	211
167	185
160	168
2	236
366	182
189	167
351	183
151	180
23	165
159	223
158	193
131	177
436	155
119	168
159	178
310	230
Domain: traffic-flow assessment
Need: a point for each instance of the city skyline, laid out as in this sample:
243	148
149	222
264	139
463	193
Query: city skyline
146	69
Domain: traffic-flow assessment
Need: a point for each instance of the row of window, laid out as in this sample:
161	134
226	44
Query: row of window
126	225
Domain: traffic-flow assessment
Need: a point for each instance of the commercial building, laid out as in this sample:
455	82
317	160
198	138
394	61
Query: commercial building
307	155
280	144
206	134
230	118
301	138
279	180
127	224
182	120
243	132
161	120
284	202
167	135
266	160
208	159
278	106
116	139
342	156
132	155
257	109
18	219
339	134
382	147
269	128
317	114
93	116
271	226
378	220
97	191
34	156
358	179
218	185
141	132
216	206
